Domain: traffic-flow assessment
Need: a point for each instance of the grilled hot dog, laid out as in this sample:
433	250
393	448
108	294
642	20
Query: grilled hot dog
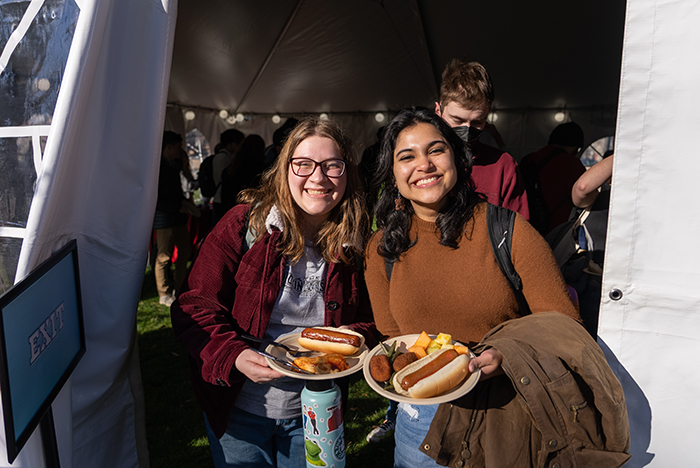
432	375
331	340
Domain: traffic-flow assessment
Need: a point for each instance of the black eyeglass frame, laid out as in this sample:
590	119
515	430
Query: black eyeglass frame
317	164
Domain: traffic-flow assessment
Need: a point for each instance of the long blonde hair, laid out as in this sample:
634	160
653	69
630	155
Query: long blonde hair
347	224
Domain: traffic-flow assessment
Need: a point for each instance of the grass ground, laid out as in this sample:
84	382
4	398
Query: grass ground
174	422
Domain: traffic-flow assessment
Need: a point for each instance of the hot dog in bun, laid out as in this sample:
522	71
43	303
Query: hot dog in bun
432	375
331	340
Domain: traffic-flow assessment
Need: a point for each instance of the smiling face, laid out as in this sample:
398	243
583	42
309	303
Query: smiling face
424	169
457	115
316	195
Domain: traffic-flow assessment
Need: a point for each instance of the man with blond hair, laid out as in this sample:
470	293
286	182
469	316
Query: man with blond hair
466	96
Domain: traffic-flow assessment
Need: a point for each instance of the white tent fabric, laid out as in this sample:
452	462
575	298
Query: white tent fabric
654	329
268	56
97	185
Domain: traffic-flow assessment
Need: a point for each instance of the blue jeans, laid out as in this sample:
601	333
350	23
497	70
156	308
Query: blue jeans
412	424
391	411
252	440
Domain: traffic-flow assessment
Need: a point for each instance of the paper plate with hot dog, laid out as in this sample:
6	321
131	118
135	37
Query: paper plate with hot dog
420	369
336	353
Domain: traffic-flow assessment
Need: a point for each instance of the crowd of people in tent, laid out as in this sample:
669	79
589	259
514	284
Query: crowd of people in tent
294	245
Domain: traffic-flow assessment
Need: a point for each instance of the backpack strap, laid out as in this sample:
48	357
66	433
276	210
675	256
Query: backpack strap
389	266
249	236
500	222
249	241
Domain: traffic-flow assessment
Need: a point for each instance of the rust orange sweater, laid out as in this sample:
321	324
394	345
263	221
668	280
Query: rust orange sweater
462	291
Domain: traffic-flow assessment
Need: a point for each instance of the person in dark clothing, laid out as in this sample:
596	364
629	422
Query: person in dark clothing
231	139
170	219
367	168
245	170
592	192
278	139
559	167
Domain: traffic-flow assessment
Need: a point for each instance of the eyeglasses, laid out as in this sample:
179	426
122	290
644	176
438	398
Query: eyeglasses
304	167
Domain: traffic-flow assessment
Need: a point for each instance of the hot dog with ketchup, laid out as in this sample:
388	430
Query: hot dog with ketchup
432	375
331	340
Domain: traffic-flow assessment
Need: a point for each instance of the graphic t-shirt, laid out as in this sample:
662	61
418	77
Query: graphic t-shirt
299	305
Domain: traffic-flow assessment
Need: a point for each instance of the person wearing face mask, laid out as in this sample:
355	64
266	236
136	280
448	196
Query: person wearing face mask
302	270
466	96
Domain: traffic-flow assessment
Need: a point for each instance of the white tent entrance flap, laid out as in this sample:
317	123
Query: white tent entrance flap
98	185
651	302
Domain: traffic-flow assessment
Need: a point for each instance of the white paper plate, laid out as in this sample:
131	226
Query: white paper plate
355	361
403	343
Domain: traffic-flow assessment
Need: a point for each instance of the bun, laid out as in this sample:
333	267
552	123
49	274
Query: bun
442	380
331	340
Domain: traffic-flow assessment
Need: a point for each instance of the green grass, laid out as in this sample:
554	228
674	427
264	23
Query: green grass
365	410
174	421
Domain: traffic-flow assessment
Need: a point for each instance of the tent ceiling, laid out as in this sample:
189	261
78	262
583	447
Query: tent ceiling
272	56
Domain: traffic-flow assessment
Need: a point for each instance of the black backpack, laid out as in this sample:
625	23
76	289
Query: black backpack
207	187
499	222
539	213
578	246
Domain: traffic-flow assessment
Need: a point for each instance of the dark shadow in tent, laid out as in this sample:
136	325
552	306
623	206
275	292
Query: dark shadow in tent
256	59
638	411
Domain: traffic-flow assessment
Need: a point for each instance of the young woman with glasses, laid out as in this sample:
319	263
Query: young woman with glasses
308	223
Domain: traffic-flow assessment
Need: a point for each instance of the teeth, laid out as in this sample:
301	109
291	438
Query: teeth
316	192
426	181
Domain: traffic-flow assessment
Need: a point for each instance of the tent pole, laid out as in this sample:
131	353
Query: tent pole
428	48
269	56
408	49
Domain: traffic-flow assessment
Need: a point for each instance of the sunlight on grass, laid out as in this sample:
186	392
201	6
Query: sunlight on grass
200	442
151	315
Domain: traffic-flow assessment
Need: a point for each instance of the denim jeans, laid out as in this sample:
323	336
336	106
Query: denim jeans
252	440
391	411
412	424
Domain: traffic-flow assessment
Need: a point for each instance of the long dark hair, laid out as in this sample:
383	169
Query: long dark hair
454	215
